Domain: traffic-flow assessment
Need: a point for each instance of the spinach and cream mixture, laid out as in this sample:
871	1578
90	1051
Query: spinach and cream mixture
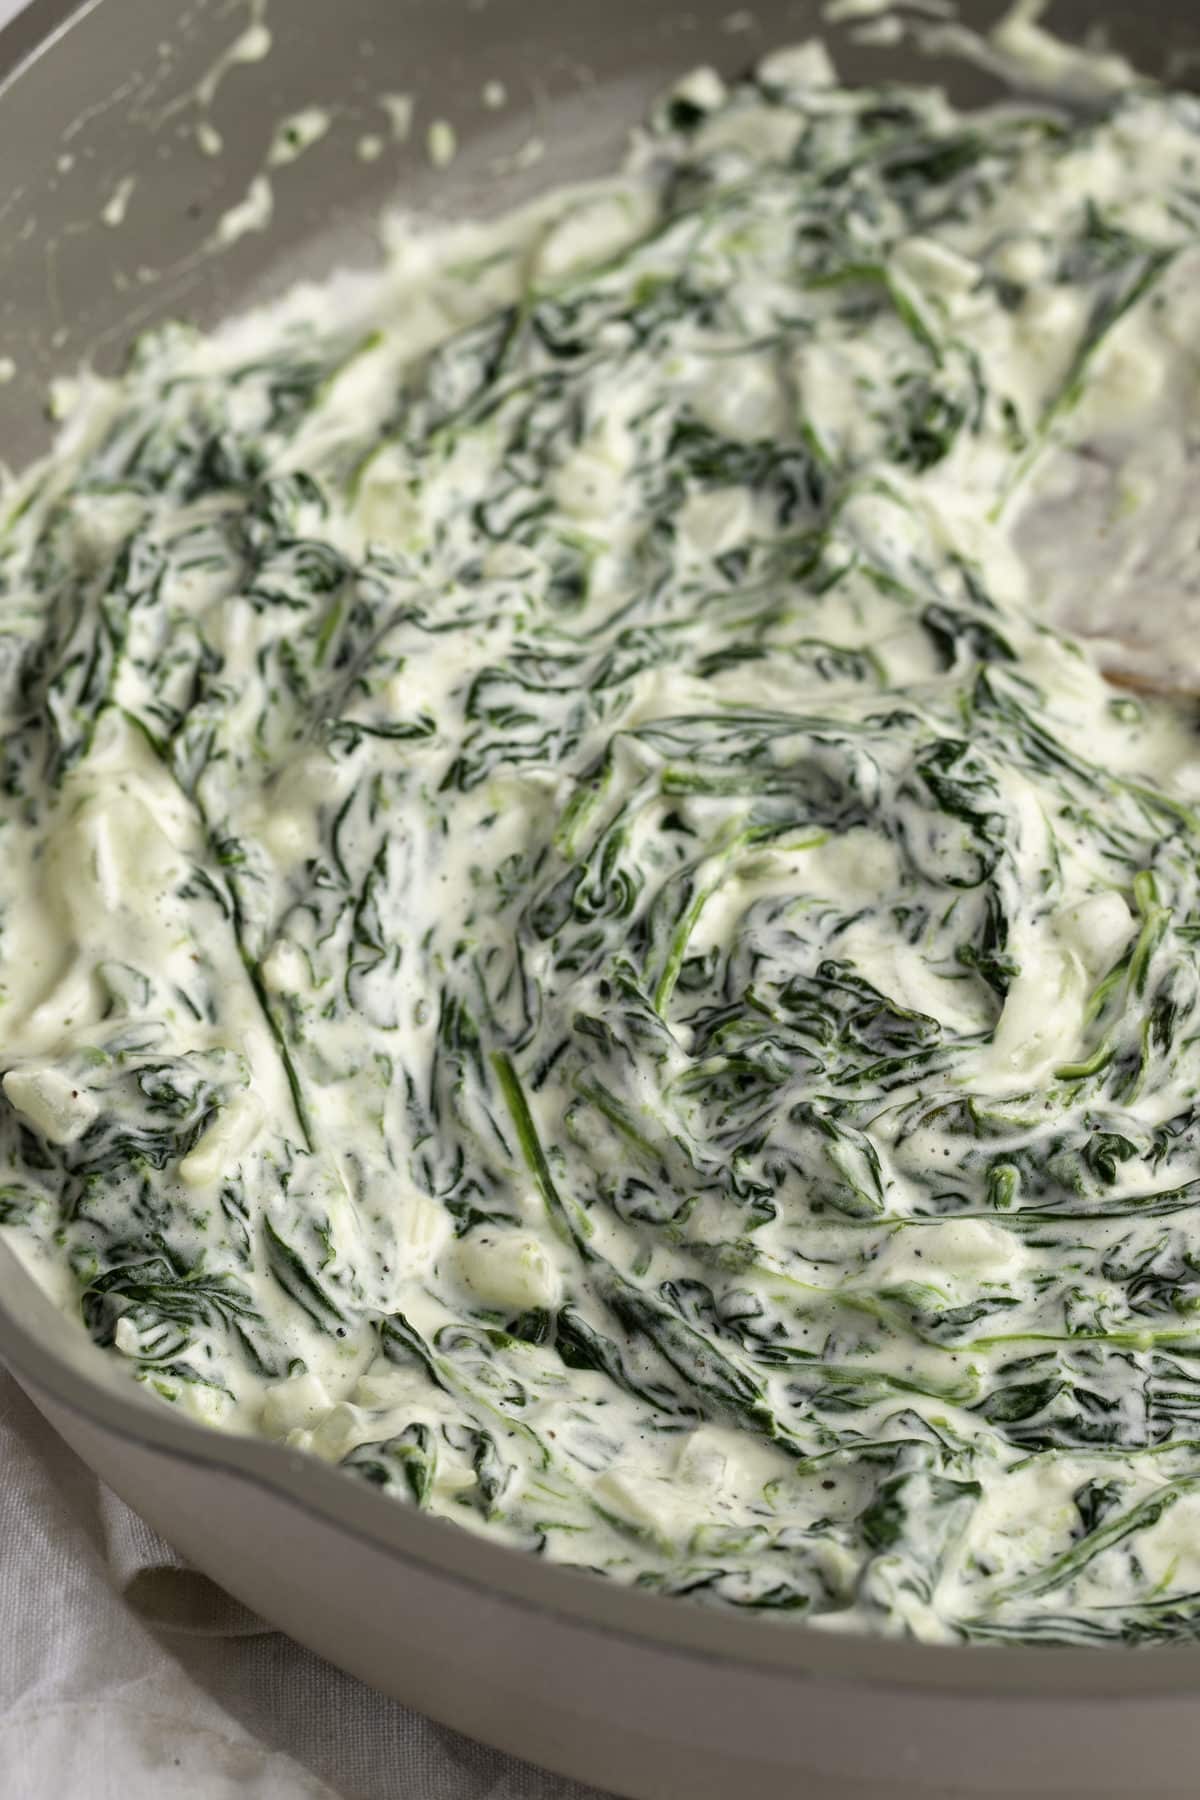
578	935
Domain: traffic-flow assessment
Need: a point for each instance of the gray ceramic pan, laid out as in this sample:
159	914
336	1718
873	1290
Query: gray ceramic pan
653	1698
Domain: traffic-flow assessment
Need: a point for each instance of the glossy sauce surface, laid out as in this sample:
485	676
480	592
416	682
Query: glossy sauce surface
574	937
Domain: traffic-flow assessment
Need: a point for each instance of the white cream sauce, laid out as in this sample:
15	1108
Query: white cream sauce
572	936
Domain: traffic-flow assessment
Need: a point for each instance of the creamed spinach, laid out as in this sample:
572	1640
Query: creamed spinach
575	940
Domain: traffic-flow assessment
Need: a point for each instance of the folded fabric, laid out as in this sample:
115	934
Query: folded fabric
157	1582
126	1675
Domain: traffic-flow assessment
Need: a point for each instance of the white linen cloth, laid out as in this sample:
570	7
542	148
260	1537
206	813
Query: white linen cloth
125	1675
